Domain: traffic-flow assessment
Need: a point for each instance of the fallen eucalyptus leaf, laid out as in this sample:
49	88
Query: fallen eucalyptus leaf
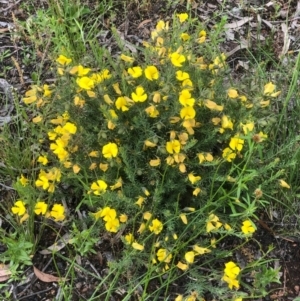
46	277
5	273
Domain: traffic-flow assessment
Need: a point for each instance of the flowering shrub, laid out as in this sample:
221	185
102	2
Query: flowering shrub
162	151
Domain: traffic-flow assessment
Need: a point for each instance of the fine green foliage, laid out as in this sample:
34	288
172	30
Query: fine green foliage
171	160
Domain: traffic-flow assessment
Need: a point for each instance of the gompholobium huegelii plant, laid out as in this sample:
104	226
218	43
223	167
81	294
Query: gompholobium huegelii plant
166	155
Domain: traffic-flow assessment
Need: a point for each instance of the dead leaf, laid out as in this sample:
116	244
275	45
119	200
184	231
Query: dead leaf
61	243
46	277
4	272
144	22
286	40
238	23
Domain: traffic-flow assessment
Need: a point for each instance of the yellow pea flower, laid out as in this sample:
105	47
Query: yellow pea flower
247	228
284	184
63	60
189	257
156	226
193	179
182	17
135	72
110	150
187	113
85	83
139	95
232	93
126	58
19	208
151	73
57	212
177	59
98	187
173	146
40	208
137	246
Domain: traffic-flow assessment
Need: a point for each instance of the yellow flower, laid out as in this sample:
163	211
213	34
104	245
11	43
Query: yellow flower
264	103
76	168
57	212
202	36
156	226
248	127
148	143
137	246
126	58
80	70
123	218
19	208
196	191
181	76
164	256
79	102
139	95
161	25
173	146
135	72
70	128
85	83
122	104
200	250
141	228
147	215
103	166
187	84
182	266
232	282
129	239
23	181
231	269
193	179
43	160
151	73
94	154
212	223
117	185
185	98
228	154
179	298
185	36
37	119
29	100
284	184
177	59
232	93
140	201
110	150
183	218
40	208
269	88
152	111
213	106
226	123
236	143
155	162
247	228
42	181
182	17
98	187
112	225
62	60
189	257
187	113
